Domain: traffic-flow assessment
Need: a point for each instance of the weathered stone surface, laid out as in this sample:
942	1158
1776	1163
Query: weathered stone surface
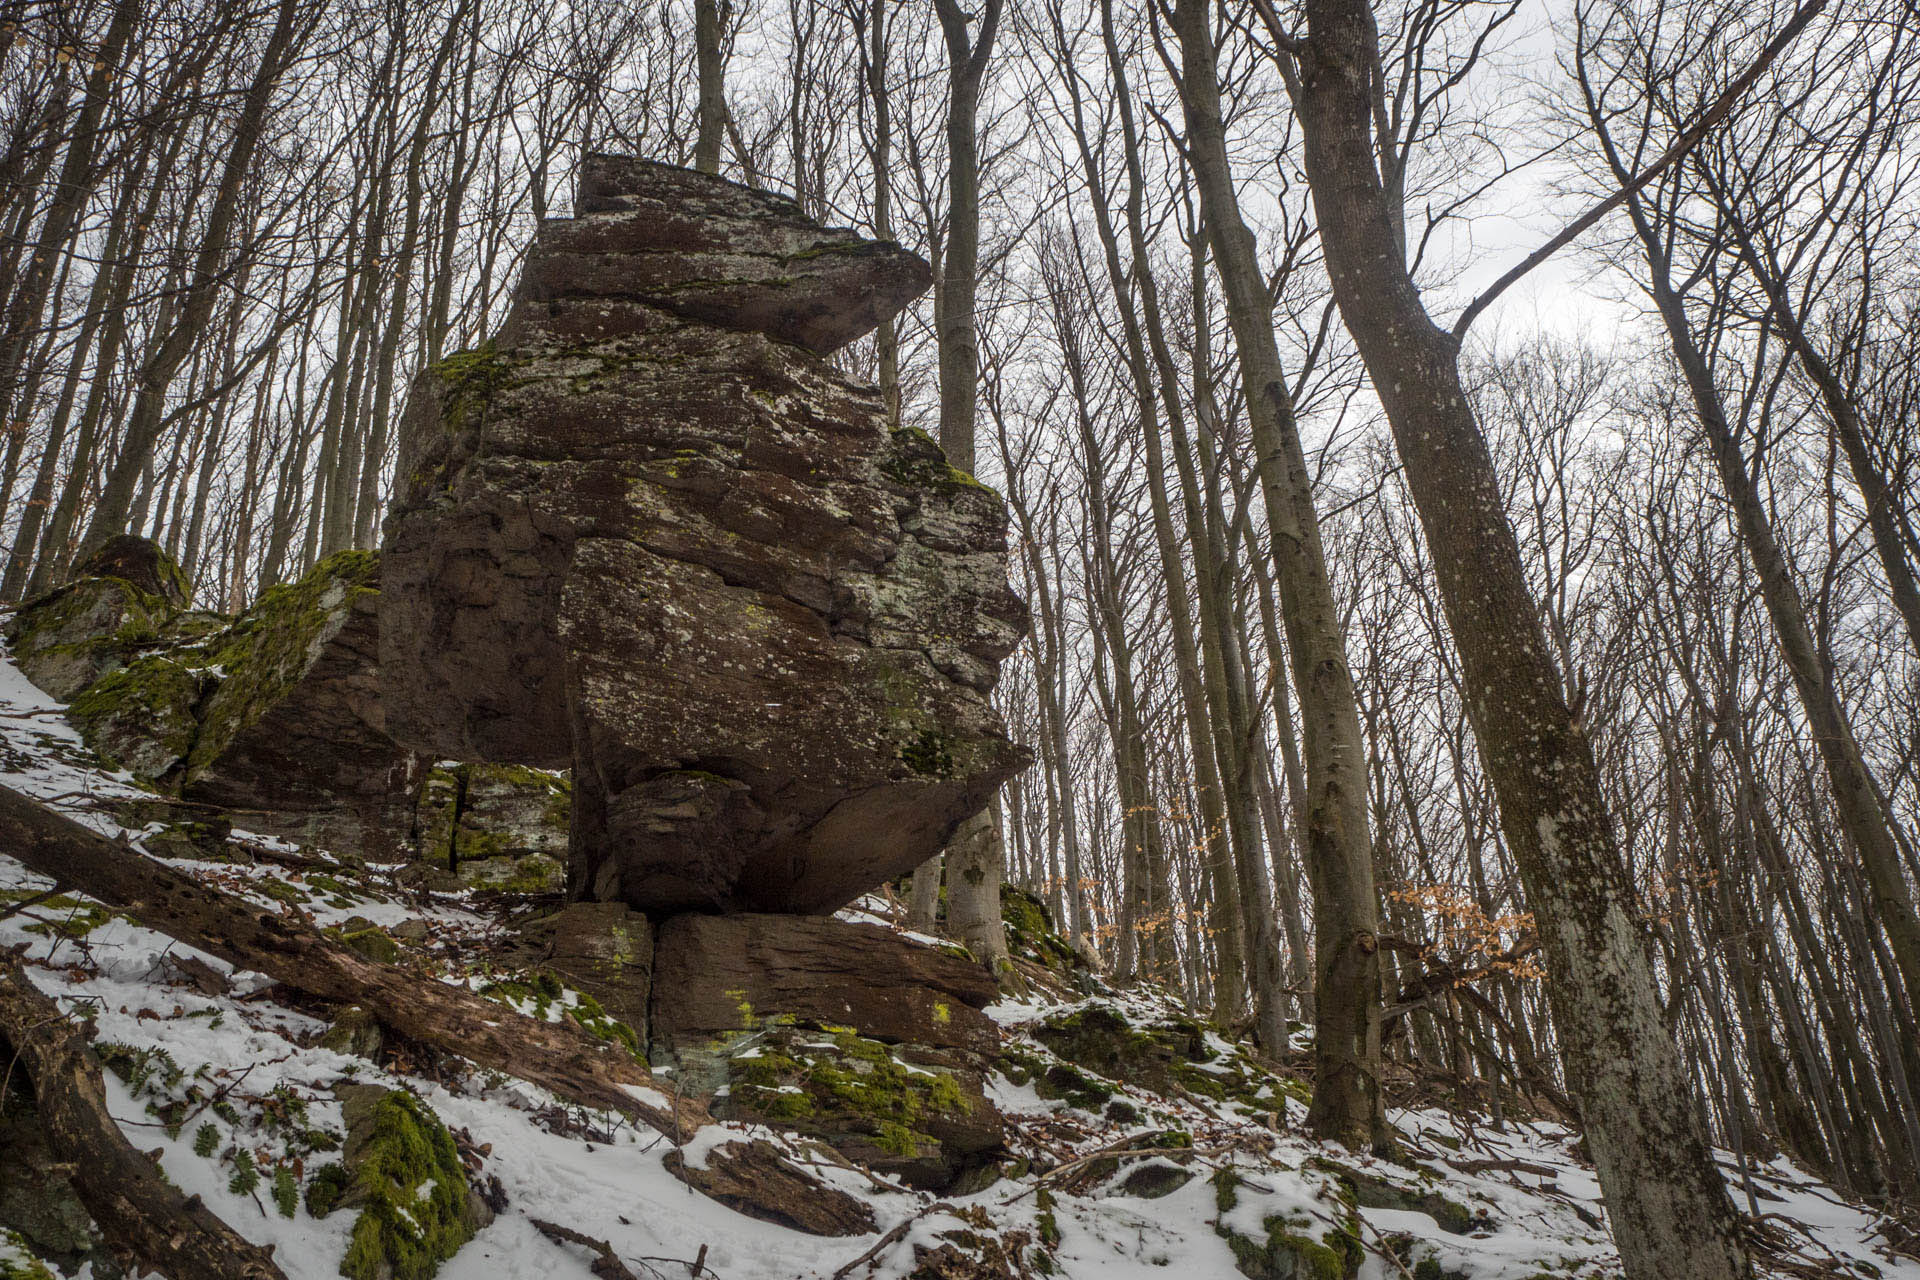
692	562
295	731
602	948
141	716
72	636
140	561
494	827
914	1113
711	250
718	974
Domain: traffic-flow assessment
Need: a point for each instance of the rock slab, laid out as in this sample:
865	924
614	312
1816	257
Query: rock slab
652	535
718	974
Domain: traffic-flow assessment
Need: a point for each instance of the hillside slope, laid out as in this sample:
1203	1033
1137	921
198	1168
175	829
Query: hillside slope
1140	1142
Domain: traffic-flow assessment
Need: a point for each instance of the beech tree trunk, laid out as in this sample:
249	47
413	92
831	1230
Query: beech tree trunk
1669	1208
975	855
1339	858
709	34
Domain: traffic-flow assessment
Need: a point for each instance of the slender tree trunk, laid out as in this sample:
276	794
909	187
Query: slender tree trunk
1339	858
974	855
709	36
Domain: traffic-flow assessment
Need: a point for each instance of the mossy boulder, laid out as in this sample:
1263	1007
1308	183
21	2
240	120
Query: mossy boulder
199	839
69	638
604	949
708	969
141	716
140	561
1031	933
1372	1191
120	601
906	1111
1285	1247
403	1174
1175	1055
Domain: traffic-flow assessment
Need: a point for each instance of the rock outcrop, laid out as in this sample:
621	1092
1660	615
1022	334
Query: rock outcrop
650	533
295	726
489	826
712	973
274	715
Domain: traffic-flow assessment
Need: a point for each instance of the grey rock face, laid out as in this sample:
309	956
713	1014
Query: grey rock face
652	535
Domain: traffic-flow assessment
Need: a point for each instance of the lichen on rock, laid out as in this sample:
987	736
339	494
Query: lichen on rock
649	533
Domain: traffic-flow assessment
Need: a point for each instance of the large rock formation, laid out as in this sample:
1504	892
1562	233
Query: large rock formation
650	533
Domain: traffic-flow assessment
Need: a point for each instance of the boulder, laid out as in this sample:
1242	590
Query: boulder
907	1111
295	731
69	638
718	974
141	562
141	716
652	535
756	1179
602	948
713	251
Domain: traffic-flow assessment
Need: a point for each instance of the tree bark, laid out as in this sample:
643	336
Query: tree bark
1339	858
135	1207
1670	1211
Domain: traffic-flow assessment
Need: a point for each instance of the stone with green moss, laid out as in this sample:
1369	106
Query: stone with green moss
141	716
1287	1252
918	1115
1371	1191
295	730
69	638
403	1174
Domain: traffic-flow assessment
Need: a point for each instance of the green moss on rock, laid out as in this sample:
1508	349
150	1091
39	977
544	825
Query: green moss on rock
415	1207
141	716
274	645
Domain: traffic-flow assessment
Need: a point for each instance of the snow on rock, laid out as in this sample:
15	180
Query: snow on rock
1187	1160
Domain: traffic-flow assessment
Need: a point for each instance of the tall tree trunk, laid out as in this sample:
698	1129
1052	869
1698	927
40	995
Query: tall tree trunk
974	855
1670	1211
709	36
1339	858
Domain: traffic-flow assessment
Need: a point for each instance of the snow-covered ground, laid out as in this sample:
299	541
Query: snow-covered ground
247	1066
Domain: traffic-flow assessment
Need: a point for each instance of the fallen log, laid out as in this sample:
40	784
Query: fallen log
557	1056
137	1211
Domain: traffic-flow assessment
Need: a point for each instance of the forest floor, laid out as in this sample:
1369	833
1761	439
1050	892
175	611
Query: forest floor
1192	1176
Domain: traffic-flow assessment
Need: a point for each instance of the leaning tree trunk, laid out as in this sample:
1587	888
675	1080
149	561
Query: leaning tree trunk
1670	1211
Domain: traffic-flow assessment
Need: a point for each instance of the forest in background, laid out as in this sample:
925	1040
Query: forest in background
232	233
